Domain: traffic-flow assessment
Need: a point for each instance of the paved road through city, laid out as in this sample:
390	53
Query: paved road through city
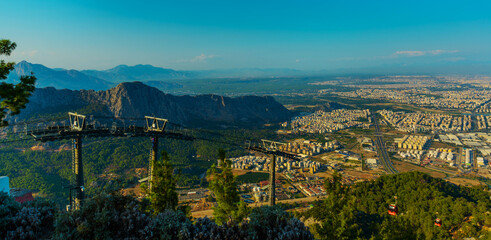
382	150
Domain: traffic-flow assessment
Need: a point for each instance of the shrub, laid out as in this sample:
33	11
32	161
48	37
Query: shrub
104	217
274	223
169	225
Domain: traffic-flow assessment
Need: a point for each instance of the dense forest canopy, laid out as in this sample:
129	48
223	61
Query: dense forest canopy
360	211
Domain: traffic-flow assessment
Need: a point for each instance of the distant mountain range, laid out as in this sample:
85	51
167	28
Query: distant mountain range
125	73
169	79
136	100
60	79
161	78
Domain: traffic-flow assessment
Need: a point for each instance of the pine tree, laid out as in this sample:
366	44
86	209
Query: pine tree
334	185
164	195
223	185
13	97
335	216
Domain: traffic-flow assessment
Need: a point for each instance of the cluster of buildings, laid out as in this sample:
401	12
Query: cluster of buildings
468	100
372	163
476	149
439	155
462	100
310	148
260	163
426	122
348	155
316	188
444	154
412	142
480	141
450	138
411	154
485	108
249	162
477	143
192	194
325	122
309	186
470	158
414	96
367	144
483	122
260	194
481	162
312	189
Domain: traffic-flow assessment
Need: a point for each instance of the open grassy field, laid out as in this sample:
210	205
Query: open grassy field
407	167
465	182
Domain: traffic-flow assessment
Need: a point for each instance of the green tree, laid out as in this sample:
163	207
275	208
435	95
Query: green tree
335	217
398	228
104	216
164	195
229	207
334	186
13	97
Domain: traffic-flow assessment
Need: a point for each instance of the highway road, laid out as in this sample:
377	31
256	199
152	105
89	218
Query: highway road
382	150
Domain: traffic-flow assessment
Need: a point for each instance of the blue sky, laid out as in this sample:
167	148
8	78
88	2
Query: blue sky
193	35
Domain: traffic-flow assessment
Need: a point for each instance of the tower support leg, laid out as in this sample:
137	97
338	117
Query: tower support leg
272	182
78	170
153	159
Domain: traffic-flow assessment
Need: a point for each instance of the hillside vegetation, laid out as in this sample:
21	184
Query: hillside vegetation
361	212
110	163
357	212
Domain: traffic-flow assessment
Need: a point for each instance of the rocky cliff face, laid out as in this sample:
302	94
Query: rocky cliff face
135	100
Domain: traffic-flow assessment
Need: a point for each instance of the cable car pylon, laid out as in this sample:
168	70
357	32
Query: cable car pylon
154	125
77	124
272	149
78	128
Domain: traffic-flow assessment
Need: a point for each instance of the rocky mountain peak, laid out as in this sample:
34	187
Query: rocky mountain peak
136	100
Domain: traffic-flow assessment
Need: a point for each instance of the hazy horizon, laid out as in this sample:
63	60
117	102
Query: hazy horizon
310	36
482	69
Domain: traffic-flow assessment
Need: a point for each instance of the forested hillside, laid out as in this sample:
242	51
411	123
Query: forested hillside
361	211
111	162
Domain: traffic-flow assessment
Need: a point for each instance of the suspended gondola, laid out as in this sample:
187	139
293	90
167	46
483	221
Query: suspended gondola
438	222
393	210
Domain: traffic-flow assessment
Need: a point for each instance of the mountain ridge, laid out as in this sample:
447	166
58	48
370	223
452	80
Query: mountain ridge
139	72
60	78
163	78
136	100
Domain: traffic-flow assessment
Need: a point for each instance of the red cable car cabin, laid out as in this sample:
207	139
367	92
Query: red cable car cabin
438	222
393	210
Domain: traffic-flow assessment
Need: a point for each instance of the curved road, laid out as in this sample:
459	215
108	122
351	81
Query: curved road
381	149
